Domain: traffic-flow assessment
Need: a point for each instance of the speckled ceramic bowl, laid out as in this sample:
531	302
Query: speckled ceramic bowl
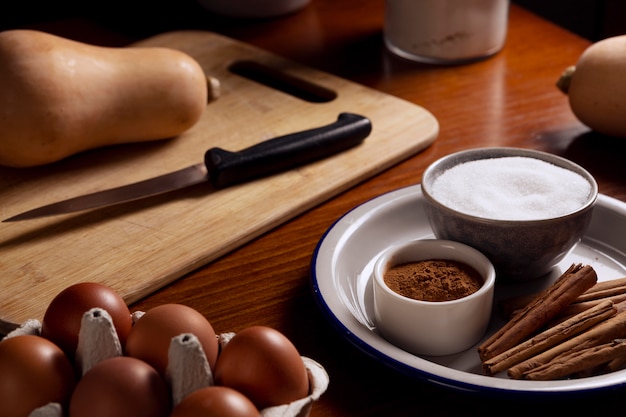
519	249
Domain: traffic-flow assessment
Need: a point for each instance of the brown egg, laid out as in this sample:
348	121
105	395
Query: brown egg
215	402
120	387
33	372
261	363
150	337
61	321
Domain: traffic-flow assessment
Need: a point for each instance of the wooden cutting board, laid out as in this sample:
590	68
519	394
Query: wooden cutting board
139	247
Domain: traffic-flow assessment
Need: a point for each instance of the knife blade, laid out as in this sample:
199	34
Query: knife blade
222	168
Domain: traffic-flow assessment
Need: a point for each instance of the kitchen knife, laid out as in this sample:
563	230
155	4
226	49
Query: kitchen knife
223	168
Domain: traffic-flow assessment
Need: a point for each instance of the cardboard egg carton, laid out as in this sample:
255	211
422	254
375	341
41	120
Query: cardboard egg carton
188	368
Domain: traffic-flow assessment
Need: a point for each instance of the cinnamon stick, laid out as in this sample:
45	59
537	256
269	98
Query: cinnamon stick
614	290
549	338
604	289
615	364
579	361
573	282
577	307
604	332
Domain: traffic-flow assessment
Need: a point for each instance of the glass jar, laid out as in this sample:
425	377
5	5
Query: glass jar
445	31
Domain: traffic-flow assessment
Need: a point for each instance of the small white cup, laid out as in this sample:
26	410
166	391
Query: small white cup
433	328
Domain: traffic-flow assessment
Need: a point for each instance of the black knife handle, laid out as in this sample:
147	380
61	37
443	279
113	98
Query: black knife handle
285	152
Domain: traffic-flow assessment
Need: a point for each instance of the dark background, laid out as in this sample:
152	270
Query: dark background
591	19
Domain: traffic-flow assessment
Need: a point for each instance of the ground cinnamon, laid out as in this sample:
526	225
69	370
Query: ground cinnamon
433	280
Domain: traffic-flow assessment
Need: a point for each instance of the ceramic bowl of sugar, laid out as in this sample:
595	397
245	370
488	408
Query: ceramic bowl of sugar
432	296
524	209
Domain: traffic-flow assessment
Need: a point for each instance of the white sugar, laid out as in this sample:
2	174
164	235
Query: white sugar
511	188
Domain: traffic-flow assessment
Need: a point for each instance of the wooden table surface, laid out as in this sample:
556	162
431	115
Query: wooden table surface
507	100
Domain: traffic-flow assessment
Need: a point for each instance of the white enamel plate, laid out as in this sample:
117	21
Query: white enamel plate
341	278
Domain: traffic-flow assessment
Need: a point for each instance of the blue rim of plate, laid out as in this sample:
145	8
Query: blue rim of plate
604	246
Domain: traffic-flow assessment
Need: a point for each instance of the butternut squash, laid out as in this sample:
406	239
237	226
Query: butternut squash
596	86
59	97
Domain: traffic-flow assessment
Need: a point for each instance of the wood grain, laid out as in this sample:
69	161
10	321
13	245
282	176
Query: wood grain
508	100
139	247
